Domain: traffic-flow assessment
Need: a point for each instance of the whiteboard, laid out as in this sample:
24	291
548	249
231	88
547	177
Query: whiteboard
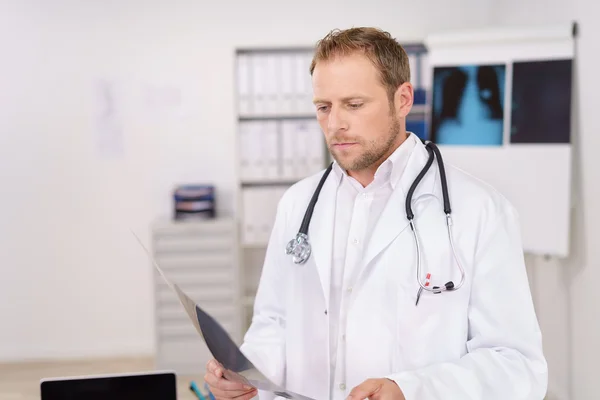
527	160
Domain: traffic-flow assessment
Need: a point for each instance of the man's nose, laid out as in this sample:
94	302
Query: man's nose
336	120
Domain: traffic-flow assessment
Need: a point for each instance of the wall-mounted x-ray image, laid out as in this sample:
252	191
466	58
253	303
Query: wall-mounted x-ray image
468	105
541	102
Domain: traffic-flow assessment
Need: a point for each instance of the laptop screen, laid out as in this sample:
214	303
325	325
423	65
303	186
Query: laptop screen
139	386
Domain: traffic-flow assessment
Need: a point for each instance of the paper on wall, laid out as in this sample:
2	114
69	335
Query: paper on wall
108	118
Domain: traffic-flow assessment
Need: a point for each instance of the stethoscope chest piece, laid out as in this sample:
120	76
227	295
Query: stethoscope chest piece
299	248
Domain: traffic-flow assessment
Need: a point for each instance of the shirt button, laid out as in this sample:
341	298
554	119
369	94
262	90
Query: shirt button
350	289
342	386
355	241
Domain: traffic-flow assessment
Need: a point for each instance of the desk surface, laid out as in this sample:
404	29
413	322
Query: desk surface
22	380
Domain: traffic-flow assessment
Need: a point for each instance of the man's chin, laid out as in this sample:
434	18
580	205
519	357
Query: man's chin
346	164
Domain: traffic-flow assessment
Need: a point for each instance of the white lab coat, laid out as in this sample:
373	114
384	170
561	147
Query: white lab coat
481	342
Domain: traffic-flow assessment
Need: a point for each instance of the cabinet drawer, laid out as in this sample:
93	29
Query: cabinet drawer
195	261
201	294
176	312
170	228
192	244
186	329
204	277
183	351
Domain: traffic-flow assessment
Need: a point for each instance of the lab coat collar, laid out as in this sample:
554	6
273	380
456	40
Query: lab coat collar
393	220
320	233
429	185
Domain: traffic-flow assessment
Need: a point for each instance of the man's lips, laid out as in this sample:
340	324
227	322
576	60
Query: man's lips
344	145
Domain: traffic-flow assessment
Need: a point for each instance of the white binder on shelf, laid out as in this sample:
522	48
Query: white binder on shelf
265	209
247	166
259	151
270	79
259	212
286	84
302	148
270	150
251	149
288	150
250	223
316	154
244	89
259	94
308	90
301	75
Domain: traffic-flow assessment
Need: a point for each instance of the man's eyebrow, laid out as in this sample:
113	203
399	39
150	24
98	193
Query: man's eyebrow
344	99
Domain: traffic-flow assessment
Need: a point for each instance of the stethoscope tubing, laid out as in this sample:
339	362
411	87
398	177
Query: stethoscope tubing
300	247
436	289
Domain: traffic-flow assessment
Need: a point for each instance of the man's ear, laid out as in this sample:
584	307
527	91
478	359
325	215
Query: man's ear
403	99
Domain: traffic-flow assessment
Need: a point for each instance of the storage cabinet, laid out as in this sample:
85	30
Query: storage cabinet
201	258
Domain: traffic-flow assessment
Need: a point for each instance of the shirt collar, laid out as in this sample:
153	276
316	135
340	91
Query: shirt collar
392	168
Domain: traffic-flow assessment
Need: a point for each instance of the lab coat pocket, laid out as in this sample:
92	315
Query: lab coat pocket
420	327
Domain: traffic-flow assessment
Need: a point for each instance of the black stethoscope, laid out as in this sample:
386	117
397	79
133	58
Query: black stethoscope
300	247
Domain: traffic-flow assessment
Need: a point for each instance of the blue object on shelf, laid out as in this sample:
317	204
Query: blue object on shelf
194	202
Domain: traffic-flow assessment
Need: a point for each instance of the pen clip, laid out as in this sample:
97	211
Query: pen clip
418	295
420	291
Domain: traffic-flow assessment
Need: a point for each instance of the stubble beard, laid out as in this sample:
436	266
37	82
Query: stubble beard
374	150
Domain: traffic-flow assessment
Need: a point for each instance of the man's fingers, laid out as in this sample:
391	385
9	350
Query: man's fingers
215	381
223	388
364	390
232	394
248	395
212	365
235	394
215	367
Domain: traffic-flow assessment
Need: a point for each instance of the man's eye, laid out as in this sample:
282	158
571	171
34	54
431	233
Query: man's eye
355	105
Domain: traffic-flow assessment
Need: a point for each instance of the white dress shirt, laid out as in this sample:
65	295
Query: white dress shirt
357	211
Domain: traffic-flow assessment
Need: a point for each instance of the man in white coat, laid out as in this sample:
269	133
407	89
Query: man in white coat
347	322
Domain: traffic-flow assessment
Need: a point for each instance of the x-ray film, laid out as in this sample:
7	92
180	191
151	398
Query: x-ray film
236	366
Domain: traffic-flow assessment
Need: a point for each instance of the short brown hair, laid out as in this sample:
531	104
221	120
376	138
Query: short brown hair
379	46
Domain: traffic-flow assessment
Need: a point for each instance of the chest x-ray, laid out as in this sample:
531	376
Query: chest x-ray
236	366
468	105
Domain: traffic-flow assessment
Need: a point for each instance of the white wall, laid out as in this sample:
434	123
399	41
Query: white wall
73	280
565	292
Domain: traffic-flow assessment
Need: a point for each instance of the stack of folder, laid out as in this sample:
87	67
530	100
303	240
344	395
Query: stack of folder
194	202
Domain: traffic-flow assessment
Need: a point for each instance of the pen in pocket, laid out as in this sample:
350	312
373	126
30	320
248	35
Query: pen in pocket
421	289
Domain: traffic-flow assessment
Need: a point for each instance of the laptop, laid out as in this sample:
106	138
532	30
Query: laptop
155	385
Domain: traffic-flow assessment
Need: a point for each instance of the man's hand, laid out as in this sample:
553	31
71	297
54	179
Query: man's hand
377	389
224	389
